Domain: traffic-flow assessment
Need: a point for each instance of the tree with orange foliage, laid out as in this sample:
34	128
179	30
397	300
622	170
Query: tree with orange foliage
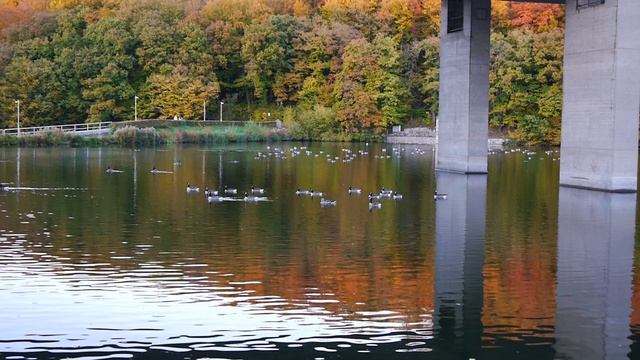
537	17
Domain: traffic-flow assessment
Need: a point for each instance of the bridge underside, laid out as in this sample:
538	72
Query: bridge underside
601	100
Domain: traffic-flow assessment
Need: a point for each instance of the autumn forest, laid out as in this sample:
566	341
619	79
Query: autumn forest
329	69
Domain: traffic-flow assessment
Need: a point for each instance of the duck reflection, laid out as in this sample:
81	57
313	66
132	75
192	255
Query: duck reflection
460	236
595	257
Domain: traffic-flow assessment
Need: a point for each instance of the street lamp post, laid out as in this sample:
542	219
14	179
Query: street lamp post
18	102
135	108
221	103
204	110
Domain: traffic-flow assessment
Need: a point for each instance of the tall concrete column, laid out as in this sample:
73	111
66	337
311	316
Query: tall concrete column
459	261
464	89
601	102
596	235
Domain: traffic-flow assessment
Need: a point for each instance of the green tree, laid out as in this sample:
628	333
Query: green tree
429	78
156	30
194	52
526	78
268	50
177	94
319	60
369	92
45	72
110	95
108	51
36	85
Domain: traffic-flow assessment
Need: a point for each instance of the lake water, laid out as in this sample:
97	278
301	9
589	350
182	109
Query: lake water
130	265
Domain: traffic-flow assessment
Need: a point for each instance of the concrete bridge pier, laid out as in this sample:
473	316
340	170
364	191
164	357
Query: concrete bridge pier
464	86
601	102
596	235
459	262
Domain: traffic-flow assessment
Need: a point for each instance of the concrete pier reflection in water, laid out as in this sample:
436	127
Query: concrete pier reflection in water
460	232
596	233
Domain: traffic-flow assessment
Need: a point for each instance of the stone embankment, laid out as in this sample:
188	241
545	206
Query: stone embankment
418	136
425	136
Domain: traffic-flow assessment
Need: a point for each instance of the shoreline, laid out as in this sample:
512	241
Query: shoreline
211	132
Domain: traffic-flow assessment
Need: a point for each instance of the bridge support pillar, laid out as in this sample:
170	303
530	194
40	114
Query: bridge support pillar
601	102
464	86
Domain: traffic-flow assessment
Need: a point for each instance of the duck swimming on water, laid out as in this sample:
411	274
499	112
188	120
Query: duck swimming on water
208	192
191	189
250	198
213	198
325	202
111	170
437	196
374	205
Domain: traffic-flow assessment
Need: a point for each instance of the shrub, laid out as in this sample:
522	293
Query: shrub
534	129
126	136
314	124
8	140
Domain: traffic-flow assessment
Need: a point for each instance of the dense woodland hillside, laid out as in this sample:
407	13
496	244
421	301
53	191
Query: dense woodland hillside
330	69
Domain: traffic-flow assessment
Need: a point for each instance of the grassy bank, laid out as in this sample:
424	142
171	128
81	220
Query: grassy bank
165	133
139	137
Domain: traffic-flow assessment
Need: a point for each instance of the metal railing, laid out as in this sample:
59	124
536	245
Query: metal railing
64	128
107	125
175	123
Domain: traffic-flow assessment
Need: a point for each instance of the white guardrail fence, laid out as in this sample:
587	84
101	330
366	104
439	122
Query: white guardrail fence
64	128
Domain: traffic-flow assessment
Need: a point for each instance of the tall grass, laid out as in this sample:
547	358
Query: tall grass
132	136
53	138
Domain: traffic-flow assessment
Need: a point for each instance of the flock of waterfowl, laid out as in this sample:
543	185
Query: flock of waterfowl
215	196
348	154
255	194
374	199
554	154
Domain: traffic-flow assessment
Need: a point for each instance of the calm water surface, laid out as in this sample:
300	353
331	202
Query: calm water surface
130	265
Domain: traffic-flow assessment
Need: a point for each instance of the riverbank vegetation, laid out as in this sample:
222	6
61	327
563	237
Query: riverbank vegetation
331	70
133	136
